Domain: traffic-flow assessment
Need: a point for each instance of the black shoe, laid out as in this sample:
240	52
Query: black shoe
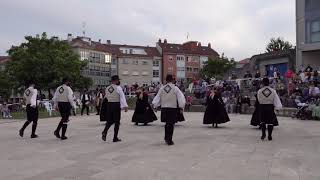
116	140
270	138
64	137
20	133
34	136
145	124
104	137
170	143
56	133
263	137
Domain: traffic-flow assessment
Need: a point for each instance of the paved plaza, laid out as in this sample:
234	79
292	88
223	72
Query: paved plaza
232	152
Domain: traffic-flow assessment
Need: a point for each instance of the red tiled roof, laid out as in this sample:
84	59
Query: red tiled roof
4	59
244	61
114	48
192	47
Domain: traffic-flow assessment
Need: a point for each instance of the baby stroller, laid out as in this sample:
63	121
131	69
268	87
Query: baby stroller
303	112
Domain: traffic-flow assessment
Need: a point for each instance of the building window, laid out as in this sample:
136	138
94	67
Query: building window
131	51
315	31
135	73
195	69
144	62
107	58
156	63
114	62
170	69
189	69
156	74
125	61
170	58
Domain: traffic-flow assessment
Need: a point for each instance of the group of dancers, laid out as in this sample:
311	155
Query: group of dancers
169	99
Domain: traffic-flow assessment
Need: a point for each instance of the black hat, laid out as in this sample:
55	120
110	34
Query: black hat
169	78
64	80
115	78
30	82
265	81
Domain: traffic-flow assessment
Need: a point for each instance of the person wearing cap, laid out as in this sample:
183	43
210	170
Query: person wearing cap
30	96
116	101
63	102
169	98
268	102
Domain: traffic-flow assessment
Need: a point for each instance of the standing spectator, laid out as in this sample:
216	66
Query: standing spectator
188	103
85	99
99	99
313	90
257	75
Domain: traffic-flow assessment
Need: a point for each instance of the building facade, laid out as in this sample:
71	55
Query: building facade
184	61
267	63
138	64
99	59
308	33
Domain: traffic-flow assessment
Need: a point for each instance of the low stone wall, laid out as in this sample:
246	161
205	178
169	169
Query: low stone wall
285	112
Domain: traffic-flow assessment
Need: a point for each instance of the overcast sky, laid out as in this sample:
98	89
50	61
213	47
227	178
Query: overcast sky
239	28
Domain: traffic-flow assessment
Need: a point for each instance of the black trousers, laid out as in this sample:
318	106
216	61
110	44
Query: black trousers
113	117
32	116
65	110
169	116
84	106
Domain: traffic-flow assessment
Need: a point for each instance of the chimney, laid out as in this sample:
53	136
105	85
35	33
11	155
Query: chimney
165	41
199	44
108	42
209	45
159	41
55	38
70	37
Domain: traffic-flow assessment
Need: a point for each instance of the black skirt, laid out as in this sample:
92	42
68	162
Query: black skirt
267	115
215	112
103	110
170	115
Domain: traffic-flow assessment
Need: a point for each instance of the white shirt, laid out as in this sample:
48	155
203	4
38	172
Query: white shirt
33	98
69	96
180	97
123	101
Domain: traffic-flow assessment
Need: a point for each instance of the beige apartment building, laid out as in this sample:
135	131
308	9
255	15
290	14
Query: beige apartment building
138	64
98	57
308	33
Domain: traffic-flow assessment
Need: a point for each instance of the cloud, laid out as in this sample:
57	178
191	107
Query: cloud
240	28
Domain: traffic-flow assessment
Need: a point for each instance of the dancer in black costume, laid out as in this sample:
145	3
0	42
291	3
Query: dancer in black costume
143	112
215	112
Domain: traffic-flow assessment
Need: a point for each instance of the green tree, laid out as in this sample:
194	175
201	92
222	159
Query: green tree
216	67
5	86
278	44
46	61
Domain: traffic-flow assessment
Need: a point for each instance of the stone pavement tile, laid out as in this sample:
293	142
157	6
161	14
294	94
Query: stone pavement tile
232	152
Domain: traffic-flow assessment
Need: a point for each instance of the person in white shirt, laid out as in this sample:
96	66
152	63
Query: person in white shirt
268	101
30	96
85	99
116	101
63	102
169	98
313	90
